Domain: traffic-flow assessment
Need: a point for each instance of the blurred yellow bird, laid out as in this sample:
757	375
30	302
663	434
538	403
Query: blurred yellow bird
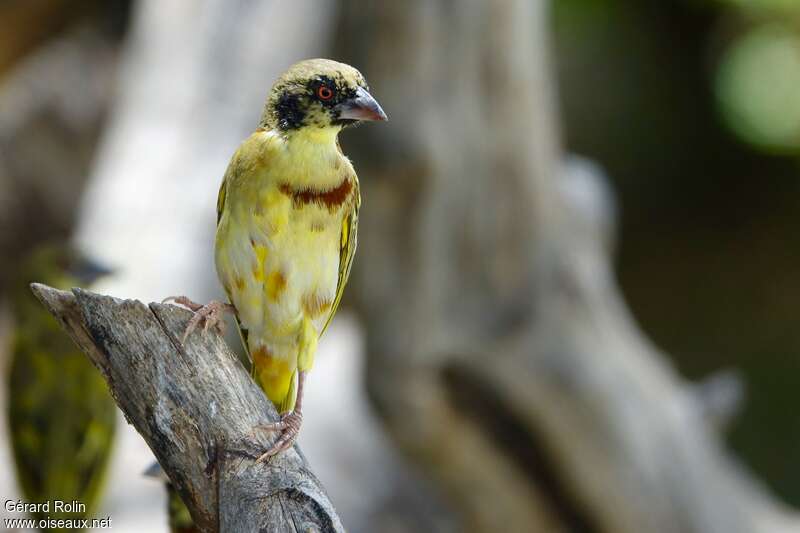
61	418
287	216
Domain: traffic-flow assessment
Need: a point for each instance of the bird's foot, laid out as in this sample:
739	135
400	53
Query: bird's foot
289	427
210	315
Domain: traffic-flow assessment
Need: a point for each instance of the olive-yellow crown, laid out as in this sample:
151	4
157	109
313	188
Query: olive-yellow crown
56	264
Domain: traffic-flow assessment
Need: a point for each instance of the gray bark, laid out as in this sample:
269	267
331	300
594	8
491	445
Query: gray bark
501	356
196	407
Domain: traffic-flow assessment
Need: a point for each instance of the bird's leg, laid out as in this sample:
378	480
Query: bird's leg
289	424
211	314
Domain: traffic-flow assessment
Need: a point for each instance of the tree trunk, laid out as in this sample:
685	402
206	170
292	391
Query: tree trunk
501	356
54	102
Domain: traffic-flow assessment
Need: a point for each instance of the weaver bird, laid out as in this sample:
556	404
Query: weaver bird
287	214
180	520
62	418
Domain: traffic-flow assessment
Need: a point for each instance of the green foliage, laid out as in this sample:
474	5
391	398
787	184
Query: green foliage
757	87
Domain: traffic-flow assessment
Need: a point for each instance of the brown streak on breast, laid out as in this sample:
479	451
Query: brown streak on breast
332	198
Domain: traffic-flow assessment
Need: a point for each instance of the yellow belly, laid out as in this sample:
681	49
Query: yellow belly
279	267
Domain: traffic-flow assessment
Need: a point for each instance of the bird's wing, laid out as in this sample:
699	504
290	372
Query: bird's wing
221	198
347	250
223	188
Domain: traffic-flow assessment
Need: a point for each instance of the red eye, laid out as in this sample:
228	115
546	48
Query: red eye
324	93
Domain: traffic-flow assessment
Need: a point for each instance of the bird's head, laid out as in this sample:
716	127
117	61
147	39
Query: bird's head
319	93
56	264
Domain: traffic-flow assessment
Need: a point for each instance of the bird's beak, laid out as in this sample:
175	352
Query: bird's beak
87	271
361	107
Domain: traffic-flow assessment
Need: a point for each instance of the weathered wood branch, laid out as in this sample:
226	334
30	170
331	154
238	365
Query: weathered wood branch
196	408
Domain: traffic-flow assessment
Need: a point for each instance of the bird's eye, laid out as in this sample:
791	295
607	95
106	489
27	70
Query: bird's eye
324	93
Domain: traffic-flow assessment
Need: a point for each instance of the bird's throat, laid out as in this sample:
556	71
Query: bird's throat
312	161
310	135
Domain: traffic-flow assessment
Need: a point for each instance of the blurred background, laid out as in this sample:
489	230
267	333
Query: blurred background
578	269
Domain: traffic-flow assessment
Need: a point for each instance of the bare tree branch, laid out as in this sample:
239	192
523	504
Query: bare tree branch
196	408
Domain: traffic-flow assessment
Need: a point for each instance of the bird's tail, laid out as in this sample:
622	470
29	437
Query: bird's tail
276	377
289	399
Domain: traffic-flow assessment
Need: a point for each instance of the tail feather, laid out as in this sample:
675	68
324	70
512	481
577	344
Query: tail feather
276	377
287	404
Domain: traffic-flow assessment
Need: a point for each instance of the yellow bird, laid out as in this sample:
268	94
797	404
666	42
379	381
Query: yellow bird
287	216
61	418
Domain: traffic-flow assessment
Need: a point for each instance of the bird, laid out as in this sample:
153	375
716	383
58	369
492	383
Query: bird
180	520
62	419
287	217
